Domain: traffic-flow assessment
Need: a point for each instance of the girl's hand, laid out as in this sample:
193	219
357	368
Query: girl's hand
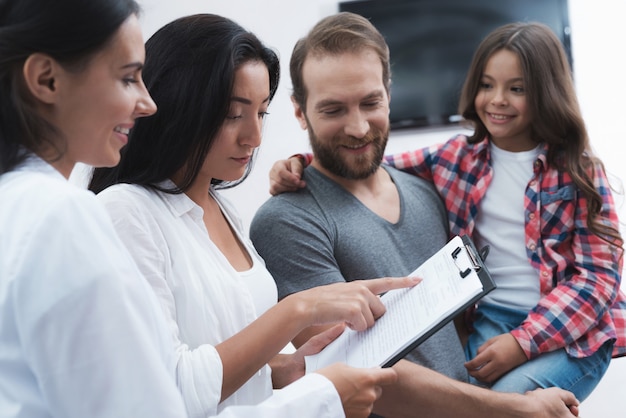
495	357
286	176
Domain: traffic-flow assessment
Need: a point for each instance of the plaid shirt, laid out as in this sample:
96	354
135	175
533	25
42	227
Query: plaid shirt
579	273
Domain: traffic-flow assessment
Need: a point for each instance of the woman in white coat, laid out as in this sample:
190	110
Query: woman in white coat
78	336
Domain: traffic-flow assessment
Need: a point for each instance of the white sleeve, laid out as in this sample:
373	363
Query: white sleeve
312	396
90	329
199	372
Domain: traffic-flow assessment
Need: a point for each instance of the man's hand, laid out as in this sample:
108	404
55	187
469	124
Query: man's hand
551	403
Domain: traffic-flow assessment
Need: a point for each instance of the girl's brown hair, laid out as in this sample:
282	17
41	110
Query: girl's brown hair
553	107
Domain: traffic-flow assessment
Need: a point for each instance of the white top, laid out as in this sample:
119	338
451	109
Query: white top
205	299
500	224
80	334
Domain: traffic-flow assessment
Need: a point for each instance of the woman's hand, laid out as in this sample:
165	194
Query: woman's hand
286	176
495	357
358	388
287	368
355	303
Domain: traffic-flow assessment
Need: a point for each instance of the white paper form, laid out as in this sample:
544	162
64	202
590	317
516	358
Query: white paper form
411	313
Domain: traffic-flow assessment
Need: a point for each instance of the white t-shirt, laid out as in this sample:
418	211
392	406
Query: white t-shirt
500	224
80	333
206	301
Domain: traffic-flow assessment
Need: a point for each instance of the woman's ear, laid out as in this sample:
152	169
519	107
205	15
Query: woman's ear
39	74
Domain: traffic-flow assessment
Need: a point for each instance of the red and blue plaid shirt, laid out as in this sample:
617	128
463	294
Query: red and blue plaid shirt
581	306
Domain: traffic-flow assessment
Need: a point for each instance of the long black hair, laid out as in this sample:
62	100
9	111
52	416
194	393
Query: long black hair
71	32
189	71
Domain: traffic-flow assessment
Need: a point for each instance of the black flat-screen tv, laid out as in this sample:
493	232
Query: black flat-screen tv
431	43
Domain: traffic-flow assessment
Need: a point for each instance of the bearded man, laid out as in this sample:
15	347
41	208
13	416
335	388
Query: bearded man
356	219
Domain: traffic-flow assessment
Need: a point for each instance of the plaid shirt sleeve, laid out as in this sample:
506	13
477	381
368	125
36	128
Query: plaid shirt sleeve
416	162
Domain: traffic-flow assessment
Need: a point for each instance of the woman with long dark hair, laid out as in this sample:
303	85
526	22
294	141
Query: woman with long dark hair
213	82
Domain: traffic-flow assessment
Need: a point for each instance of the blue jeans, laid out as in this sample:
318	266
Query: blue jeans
552	369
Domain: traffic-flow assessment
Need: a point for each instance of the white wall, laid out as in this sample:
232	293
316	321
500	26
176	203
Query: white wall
597	39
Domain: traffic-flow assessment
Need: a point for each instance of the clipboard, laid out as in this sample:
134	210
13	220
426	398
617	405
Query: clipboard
453	280
476	264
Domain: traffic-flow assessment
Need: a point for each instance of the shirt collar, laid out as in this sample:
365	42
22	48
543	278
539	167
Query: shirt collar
179	203
34	163
480	148
542	160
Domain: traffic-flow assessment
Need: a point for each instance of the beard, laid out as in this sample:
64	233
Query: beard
351	167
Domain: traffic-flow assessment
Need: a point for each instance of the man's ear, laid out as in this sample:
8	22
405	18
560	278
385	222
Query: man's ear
39	74
299	113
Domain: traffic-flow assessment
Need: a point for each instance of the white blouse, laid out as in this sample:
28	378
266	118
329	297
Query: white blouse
205	299
80	333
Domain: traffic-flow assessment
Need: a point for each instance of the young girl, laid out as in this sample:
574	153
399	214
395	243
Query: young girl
526	184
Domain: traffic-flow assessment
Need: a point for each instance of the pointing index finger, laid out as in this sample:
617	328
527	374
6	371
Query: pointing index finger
384	284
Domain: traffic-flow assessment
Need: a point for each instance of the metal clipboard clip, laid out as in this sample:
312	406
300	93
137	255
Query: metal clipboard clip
475	259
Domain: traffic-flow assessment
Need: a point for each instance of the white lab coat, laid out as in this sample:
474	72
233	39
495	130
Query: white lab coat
80	333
